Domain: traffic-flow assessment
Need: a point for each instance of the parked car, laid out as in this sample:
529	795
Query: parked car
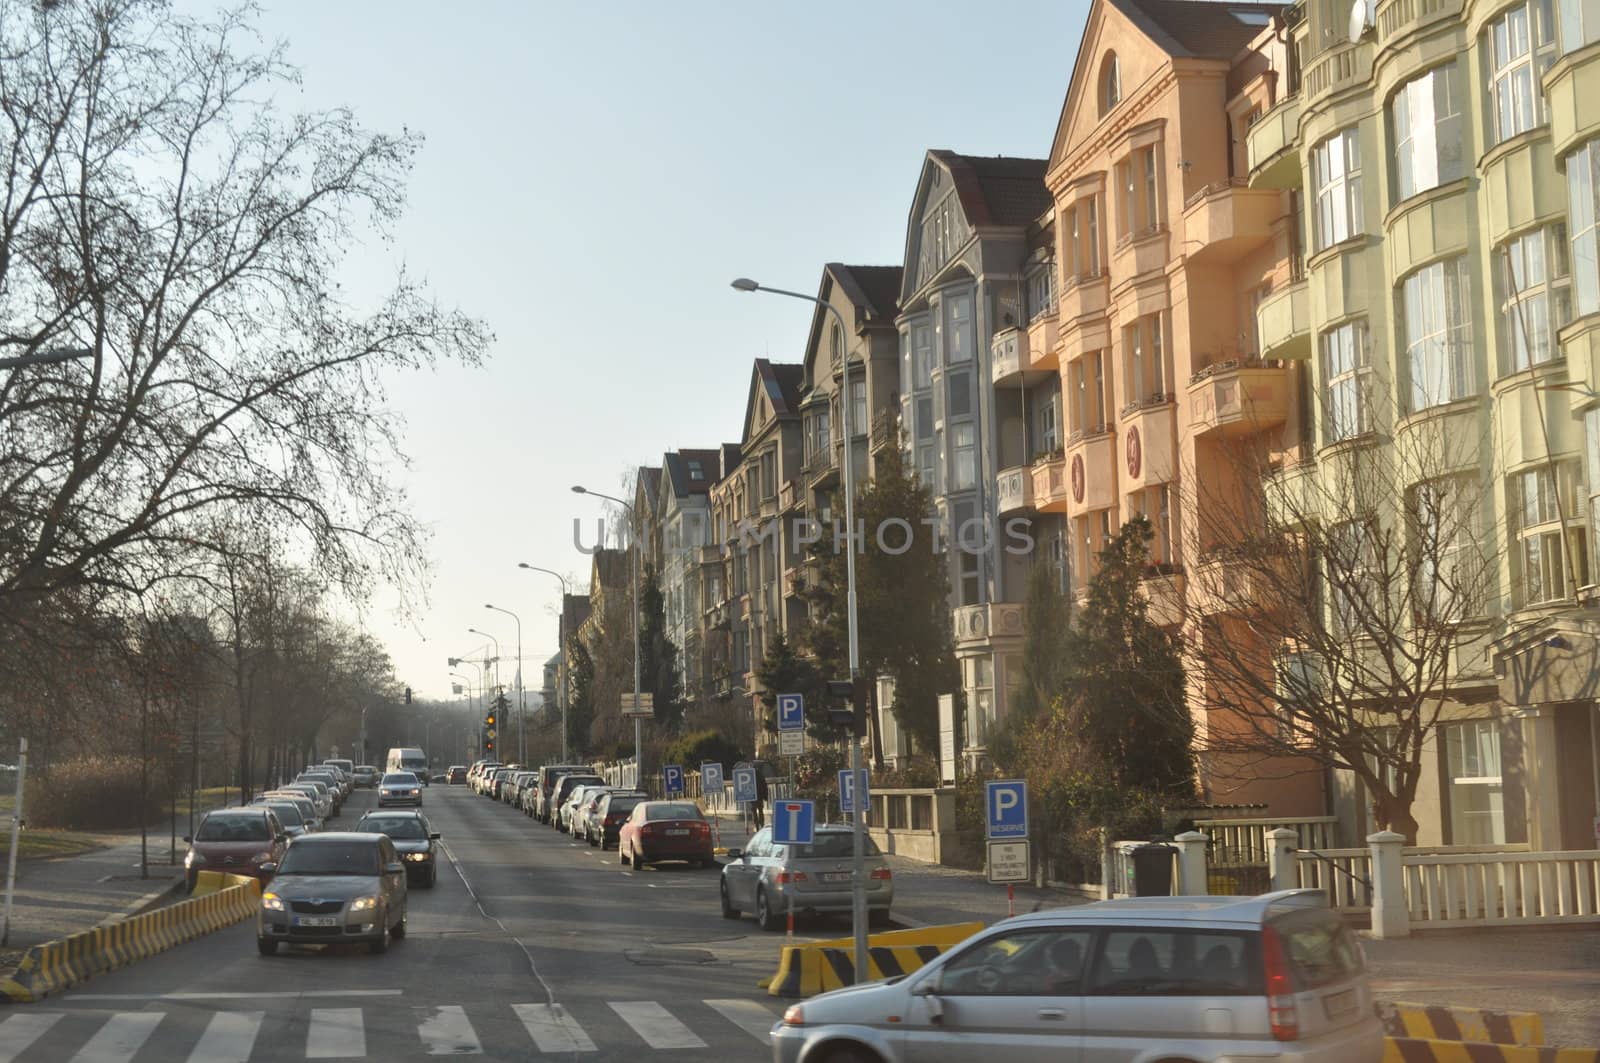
399	788
665	830
413	839
1120	981
331	776
333	888
562	790
605	814
513	786
548	777
456	774
567	814
240	841
301	800
329	784
366	776
501	777
344	765
288	812
485	773
765	877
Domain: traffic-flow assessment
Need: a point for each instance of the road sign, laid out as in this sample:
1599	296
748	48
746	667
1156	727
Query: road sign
1009	861
791	712
744	784
847	791
793	822
711	778
642	707
791	743
672	775
491	733
1006	808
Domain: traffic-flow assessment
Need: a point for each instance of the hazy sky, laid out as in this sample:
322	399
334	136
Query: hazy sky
594	175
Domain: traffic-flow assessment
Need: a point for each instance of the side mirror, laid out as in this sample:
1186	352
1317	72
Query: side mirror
734	854
269	868
395	868
434	836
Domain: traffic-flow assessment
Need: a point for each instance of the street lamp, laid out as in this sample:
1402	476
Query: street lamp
858	893
561	634
496	642
633	557
522	722
64	354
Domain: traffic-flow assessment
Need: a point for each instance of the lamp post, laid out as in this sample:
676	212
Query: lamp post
496	642
455	661
858	894
471	707
522	721
561	633
633	556
65	354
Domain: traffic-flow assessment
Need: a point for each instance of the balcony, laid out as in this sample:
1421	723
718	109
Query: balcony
791	495
794	580
1226	220
1272	147
1163	589
1049	489
976	626
885	429
1014	489
1227	581
822	468
1283	323
1043	332
1142	252
1149	441
1091	472
1085	295
710	555
1008	357
1234	398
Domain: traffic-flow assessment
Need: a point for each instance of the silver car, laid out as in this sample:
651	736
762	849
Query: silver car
334	888
1197	979
400	788
766	877
319	796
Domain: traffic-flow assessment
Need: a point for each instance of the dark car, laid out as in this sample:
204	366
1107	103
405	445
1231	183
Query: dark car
413	839
456	775
610	811
548	776
665	830
334	888
240	841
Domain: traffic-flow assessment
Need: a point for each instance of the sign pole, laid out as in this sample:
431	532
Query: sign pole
1011	899
16	839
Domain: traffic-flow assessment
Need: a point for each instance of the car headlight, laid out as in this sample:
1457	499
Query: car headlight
272	902
416	793
416	858
193	859
363	904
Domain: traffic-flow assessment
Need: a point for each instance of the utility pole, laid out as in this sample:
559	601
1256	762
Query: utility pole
16	838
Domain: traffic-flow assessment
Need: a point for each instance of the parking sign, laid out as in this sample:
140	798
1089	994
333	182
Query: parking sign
791	712
1006	808
744	785
793	822
848	788
672	774
711	778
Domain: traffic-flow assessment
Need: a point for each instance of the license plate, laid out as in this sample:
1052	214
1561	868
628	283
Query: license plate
1340	1005
835	876
678	832
316	920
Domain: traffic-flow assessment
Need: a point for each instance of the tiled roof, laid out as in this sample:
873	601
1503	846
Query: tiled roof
876	289
677	462
1202	29
999	190
789	375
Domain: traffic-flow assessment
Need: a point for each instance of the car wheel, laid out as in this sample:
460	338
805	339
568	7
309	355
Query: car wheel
622	856
850	1054
380	946
728	910
266	946
765	916
399	929
639	862
433	876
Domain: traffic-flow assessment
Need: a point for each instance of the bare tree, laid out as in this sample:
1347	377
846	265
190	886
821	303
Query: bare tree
163	209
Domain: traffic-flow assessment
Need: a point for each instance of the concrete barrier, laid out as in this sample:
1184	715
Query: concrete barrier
1420	1050
220	900
818	966
1437	1022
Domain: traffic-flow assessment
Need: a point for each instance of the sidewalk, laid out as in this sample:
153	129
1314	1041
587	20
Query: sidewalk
62	896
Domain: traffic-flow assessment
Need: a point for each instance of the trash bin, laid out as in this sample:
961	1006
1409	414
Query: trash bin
1152	870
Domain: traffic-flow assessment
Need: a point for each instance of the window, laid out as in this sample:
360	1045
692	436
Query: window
769	475
1346	374
1336	179
696	471
1110	83
1138	962
1145	361
1042	291
1535	506
1472	762
1355	586
958	328
1428	132
1583	198
922	354
1139	199
959	403
1091	256
1019	964
1447	571
1591	434
964	463
1520	46
980	700
1154	504
967	537
1048	420
1534	292
1435	315
1083	239
1580	24
858	407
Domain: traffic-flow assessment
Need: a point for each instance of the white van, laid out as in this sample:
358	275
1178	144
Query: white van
409	758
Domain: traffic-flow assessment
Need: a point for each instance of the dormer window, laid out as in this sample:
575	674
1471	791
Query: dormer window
696	472
1110	83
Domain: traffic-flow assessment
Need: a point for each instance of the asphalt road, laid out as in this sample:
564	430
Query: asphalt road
530	945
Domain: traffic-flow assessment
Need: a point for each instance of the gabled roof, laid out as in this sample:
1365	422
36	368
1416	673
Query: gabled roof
1199	29
998	190
873	290
780	383
676	465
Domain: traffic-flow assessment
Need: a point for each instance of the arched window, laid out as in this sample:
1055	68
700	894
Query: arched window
1110	83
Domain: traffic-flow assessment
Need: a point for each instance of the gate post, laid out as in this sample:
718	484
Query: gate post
1192	864
1281	846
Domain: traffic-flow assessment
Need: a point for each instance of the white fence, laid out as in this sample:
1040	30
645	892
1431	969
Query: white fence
1244	841
1501	889
1345	875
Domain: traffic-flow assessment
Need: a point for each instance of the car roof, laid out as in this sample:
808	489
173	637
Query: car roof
329	837
1244	911
234	810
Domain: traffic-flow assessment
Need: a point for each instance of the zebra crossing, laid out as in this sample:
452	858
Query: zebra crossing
237	1036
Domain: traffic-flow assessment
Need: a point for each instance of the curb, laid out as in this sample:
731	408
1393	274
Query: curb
58	965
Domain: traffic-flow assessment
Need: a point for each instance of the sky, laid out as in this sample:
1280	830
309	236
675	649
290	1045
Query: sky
594	175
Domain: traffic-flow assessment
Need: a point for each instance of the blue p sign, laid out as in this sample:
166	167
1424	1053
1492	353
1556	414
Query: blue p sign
744	785
849	785
1006	808
673	776
793	822
791	712
711	779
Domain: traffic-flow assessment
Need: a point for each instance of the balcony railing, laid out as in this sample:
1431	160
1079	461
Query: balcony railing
1014	489
1272	145
791	494
885	428
1236	397
822	465
1008	355
1283	322
978	624
1226	219
1050	486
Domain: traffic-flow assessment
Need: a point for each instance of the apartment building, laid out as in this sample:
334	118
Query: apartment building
1452	288
683	508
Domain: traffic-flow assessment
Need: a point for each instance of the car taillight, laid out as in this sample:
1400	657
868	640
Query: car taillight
1281	1012
612	821
786	877
648	828
882	874
702	828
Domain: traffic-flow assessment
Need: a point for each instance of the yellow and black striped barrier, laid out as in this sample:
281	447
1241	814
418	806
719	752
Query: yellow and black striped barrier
1422	1050
1438	1022
219	900
818	966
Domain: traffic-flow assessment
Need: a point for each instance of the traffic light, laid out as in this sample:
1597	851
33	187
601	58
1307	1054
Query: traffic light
488	721
847	715
408	695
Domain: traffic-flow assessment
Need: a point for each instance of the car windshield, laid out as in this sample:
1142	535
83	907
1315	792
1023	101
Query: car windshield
831	845
399	778
673	810
234	829
335	858
406	828
287	813
622	804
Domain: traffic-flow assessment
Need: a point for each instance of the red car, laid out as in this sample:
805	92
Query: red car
665	830
240	841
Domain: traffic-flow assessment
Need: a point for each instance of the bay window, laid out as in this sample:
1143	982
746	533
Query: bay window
1448	569
1435	312
1583	201
1552	554
958	328
1477	795
1520	46
1354	577
1144	360
1154	504
964	456
1534	295
1346	375
1138	193
1336	182
1425	117
1042	291
1580	24
858	407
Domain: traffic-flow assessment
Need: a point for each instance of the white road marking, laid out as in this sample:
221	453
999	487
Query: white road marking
336	1033
18	1032
655	1024
748	1015
306	993
552	1029
447	1032
229	1037
120	1037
